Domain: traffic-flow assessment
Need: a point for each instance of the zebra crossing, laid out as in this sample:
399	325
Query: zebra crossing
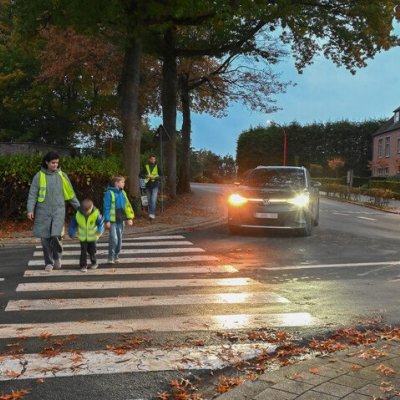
69	290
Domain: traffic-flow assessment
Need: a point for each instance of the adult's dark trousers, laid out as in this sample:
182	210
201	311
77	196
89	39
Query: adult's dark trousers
87	248
52	249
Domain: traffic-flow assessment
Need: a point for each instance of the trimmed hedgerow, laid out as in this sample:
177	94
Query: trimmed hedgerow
89	176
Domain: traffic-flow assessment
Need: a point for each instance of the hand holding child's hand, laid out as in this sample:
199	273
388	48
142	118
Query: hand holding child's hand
107	225
129	222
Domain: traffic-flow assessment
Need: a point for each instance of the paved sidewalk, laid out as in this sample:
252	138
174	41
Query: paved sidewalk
358	373
197	210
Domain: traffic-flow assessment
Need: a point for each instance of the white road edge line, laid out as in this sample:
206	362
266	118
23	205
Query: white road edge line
321	266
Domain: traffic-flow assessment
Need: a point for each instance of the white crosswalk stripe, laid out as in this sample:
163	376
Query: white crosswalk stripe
170	260
135	251
121	270
137	260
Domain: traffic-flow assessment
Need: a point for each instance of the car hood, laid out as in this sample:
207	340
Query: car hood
250	192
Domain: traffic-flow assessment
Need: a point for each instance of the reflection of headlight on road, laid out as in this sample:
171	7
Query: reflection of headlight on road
300	200
236	200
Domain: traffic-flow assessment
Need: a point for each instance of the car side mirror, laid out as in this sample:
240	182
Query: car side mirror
315	184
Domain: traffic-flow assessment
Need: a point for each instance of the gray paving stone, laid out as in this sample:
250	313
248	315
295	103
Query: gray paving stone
247	390
333	389
371	390
356	396
311	395
308	377
351	381
330	372
368	373
274	394
293	386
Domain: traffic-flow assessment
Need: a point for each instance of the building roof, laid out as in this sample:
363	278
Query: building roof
389	125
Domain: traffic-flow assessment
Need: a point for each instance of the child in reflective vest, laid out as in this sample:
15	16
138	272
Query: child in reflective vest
116	209
89	224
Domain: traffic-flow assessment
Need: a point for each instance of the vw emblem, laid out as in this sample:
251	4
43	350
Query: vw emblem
266	202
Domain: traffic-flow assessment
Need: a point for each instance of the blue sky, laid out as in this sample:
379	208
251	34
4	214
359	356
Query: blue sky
323	93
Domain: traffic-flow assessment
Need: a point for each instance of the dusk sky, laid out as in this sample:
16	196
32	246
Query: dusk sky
324	93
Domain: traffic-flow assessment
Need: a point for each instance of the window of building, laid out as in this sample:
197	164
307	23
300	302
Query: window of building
387	171
387	146
398	145
396	116
380	148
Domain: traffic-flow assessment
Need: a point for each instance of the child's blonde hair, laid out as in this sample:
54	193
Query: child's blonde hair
116	179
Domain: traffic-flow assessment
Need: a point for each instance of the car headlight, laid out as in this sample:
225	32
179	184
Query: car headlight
301	200
236	200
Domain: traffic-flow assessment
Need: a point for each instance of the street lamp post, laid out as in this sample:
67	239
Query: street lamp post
270	122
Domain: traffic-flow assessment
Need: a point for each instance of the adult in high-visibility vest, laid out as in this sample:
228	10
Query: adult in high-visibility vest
49	191
116	210
152	173
90	225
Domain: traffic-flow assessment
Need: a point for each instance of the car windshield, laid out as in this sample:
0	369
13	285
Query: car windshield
275	178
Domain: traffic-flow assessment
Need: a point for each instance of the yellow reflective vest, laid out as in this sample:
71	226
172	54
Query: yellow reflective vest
87	227
153	174
128	208
68	191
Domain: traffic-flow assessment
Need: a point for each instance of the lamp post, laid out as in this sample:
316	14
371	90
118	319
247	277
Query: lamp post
270	122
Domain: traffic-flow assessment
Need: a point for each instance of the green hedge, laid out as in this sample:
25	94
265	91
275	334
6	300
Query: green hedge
89	176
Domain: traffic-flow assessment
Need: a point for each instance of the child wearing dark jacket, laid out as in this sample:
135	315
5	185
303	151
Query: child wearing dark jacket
89	224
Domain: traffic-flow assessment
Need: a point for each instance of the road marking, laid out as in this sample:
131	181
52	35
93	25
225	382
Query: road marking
140	238
134	244
350	265
1	279
34	366
141	260
167	324
369	219
100	285
339	213
135	251
120	270
141	301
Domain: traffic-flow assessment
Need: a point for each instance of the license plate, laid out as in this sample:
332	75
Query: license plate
266	215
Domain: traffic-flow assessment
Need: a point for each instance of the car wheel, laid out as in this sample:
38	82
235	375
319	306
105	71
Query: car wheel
316	216
234	230
307	230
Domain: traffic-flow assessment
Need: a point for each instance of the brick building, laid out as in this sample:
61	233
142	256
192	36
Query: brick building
386	148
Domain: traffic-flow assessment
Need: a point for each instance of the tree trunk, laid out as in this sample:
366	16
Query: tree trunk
130	114
168	100
184	173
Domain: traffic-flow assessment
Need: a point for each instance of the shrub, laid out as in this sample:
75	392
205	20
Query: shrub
89	176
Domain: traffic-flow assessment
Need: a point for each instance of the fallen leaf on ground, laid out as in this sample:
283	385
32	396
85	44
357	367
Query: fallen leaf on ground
15	395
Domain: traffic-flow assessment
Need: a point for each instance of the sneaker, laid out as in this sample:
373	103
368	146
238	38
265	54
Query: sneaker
48	268
57	264
152	216
116	260
110	261
94	265
84	268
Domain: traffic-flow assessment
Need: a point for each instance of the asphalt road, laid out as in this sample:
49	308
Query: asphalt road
167	311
